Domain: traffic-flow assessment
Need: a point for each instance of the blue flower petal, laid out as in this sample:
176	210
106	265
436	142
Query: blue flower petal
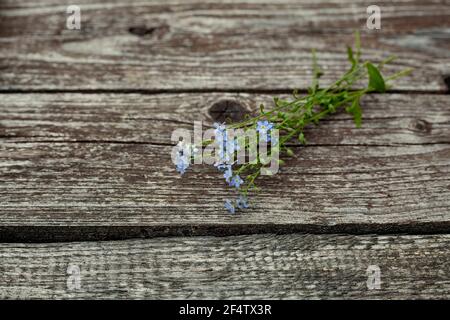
236	181
241	202
229	206
228	173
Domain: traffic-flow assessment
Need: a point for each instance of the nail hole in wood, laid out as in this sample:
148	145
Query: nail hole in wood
227	111
141	31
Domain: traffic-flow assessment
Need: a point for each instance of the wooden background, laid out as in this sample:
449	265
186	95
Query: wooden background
86	178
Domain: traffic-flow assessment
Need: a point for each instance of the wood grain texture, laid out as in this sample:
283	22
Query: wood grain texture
85	124
133	184
244	267
388	120
78	160
209	45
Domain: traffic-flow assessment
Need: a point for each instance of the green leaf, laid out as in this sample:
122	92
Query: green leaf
289	152
301	122
376	80
261	108
276	100
281	115
351	58
301	138
356	112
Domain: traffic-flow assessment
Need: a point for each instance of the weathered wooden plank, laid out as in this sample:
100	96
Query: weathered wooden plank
388	120
207	45
251	267
104	160
338	188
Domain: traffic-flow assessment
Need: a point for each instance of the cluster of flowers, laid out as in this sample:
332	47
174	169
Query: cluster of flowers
227	147
290	117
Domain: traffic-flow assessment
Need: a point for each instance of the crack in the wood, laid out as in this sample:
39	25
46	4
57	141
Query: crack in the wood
47	234
87	142
8	139
159	119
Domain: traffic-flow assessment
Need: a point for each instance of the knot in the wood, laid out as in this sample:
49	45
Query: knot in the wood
227	110
420	125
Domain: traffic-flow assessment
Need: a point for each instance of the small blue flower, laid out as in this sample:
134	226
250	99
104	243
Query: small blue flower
229	206
220	127
225	148
263	128
182	166
220	132
220	166
236	181
241	202
223	156
228	173
182	159
231	145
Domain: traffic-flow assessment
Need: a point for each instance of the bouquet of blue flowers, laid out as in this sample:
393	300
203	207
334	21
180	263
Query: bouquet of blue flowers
277	126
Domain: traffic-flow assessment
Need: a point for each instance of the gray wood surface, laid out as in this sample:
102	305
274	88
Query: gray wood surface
388	119
253	267
208	45
85	124
104	160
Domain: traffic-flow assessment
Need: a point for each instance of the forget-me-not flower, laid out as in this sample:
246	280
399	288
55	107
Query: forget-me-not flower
182	159
229	206
228	174
221	141
241	202
263	128
220	166
236	181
